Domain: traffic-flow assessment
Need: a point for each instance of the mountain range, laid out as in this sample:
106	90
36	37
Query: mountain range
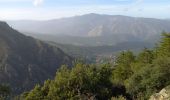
95	29
25	61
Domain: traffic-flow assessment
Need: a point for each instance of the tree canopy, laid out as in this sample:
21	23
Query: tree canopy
132	77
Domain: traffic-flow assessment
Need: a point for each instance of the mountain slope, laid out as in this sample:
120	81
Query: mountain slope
25	61
95	29
95	25
91	51
97	54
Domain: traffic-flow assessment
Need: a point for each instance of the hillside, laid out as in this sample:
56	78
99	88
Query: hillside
25	61
96	29
131	77
92	53
93	41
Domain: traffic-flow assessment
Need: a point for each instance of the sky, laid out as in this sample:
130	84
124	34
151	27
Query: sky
53	9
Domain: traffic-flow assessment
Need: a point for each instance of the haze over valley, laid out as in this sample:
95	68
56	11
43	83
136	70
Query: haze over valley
95	29
84	50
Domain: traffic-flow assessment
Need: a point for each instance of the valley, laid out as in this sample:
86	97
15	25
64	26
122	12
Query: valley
89	57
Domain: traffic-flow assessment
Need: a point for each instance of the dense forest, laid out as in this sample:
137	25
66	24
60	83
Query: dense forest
131	77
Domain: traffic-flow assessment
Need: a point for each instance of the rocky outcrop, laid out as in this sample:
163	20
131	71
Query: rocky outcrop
164	94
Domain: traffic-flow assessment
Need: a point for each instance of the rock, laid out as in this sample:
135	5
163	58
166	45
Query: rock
164	94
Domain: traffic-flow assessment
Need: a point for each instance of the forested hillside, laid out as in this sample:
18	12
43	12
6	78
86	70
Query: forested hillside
130	78
92	54
25	61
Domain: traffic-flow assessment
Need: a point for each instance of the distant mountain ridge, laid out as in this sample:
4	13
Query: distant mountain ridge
106	29
95	25
25	61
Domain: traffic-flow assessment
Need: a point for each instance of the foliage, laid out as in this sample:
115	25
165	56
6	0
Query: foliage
132	77
146	73
123	67
146	56
164	46
153	71
80	82
4	92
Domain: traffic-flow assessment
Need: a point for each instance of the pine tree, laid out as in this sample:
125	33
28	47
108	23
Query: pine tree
164	46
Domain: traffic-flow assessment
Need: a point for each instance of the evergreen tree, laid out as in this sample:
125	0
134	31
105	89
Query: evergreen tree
132	77
146	56
164	46
123	69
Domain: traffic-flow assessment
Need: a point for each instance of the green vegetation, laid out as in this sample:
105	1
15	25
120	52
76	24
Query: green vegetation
25	61
82	81
132	77
4	92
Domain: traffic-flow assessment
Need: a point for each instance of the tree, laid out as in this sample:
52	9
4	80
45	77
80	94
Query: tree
150	79
125	58
146	56
80	82
132	77
123	69
164	47
35	94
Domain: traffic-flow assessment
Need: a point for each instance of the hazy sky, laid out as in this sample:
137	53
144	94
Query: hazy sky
51	9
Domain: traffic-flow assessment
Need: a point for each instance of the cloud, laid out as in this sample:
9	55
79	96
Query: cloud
12	1
38	2
34	2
